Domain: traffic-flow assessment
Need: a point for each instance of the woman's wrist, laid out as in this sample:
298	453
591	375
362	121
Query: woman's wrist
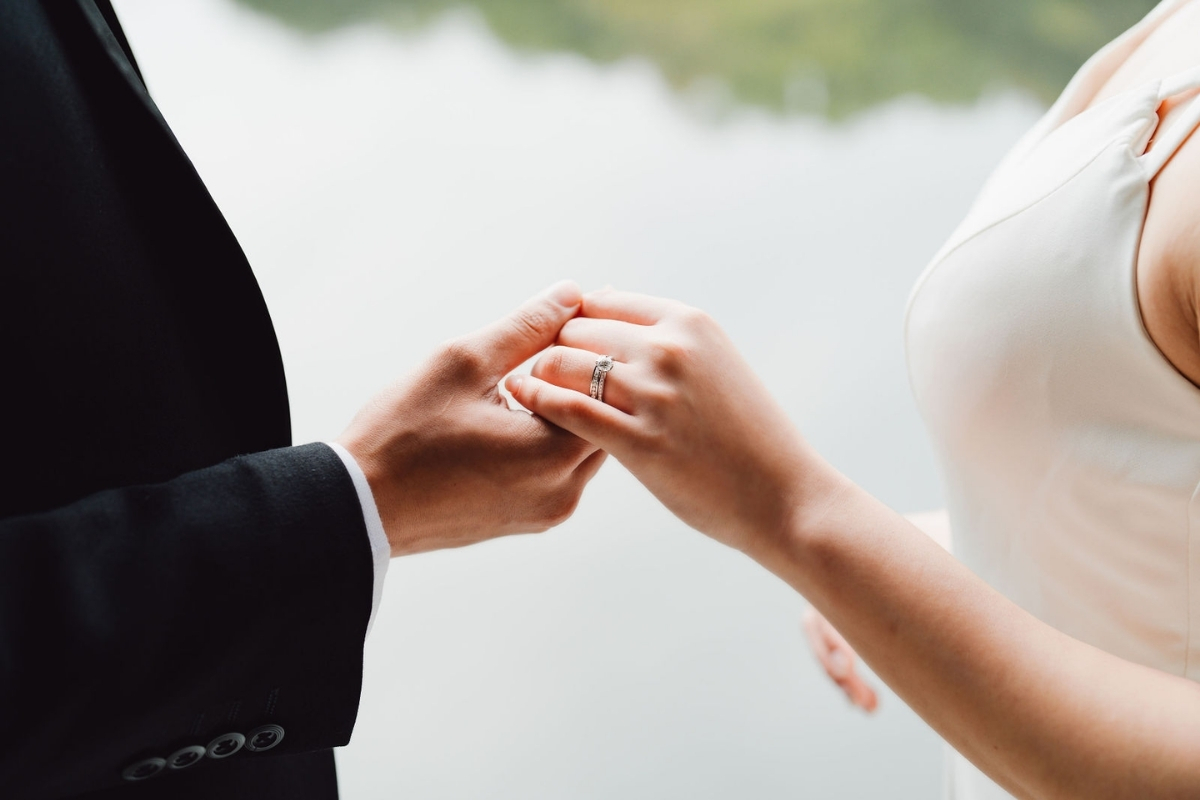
813	502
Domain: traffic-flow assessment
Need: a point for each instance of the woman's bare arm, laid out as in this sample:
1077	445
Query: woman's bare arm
1043	714
834	653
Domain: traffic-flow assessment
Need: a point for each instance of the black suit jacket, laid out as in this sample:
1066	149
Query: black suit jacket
170	569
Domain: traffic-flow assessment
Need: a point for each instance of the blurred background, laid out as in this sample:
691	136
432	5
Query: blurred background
401	171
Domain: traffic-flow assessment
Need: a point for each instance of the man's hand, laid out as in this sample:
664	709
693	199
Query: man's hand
449	463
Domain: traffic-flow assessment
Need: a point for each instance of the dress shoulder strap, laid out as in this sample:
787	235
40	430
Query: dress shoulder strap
1170	140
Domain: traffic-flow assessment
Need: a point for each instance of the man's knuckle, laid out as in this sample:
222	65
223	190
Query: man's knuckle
462	357
530	323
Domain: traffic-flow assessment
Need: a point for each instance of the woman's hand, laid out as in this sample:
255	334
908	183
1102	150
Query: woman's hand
839	660
681	410
685	414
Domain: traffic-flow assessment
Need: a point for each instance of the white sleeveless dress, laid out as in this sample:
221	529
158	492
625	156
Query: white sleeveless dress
1069	445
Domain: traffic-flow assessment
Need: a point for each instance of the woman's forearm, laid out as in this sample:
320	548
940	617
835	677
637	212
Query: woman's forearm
834	653
1043	714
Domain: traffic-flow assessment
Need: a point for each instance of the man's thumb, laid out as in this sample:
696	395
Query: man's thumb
530	329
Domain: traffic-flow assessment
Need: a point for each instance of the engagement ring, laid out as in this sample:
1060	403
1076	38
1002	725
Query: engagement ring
603	365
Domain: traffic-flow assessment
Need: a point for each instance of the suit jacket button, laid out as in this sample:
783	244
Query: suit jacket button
225	745
264	738
188	756
142	770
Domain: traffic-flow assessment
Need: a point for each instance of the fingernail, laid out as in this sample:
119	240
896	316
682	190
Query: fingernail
513	384
839	665
566	294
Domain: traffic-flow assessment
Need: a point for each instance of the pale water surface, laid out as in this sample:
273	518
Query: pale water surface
393	188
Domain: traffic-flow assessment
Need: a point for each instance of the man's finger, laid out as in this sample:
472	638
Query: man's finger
530	329
640	309
604	426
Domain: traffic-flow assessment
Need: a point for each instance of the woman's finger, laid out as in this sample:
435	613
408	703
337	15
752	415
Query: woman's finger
816	637
640	309
839	660
572	369
621	340
861	693
844	662
606	427
822	647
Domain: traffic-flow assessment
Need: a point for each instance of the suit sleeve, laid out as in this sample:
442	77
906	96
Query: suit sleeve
141	621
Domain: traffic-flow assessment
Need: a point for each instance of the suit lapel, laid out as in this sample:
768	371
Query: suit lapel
100	18
114	25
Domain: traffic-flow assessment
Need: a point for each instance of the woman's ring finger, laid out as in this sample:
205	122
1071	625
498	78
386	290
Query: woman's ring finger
588	373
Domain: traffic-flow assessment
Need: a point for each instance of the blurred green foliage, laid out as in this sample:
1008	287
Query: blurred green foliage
832	57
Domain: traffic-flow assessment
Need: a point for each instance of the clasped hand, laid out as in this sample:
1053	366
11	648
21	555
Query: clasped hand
685	413
450	464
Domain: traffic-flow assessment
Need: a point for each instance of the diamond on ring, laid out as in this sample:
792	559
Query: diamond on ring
604	365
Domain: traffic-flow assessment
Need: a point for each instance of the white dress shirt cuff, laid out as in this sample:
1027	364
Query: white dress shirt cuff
381	551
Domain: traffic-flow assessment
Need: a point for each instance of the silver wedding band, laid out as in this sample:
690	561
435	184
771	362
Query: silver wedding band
604	365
